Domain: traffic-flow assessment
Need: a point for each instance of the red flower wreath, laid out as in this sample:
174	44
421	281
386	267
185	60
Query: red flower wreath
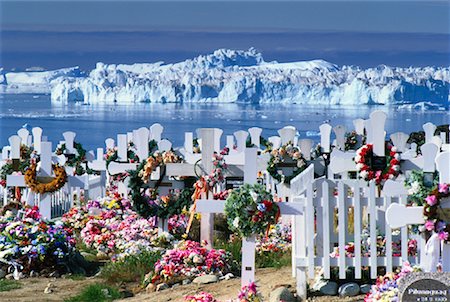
365	171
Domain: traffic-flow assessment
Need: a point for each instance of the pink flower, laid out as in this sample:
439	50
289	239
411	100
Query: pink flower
443	188
429	225
431	200
443	235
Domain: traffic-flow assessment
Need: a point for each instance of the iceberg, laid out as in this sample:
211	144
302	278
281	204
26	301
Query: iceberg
237	76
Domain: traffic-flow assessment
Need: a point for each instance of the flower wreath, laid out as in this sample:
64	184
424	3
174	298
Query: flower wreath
156	160
250	210
77	161
363	164
287	152
434	214
54	185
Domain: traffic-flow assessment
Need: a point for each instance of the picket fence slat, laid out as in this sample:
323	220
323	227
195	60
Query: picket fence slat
404	232
357	230
373	231
350	261
388	240
342	226
326	230
310	230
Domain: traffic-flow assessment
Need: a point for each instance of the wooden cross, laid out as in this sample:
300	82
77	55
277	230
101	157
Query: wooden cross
209	207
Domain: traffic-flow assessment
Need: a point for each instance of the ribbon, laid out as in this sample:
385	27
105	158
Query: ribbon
18	194
432	250
200	187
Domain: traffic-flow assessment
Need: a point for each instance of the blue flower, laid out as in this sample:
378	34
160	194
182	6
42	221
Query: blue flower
261	207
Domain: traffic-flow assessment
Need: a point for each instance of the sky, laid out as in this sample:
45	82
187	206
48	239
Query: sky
65	33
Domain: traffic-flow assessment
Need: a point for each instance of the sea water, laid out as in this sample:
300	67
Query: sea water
94	123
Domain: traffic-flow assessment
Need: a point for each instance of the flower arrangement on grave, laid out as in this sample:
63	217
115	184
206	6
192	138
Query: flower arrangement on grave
155	160
436	218
78	161
200	297
113	229
31	243
172	204
286	154
250	210
278	239
351	140
366	170
56	183
417	190
189	259
380	248
26	155
386	287
249	293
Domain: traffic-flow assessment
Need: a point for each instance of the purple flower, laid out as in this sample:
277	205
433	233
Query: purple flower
443	235
440	226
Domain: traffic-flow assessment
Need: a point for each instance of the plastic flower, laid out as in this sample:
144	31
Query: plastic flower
431	200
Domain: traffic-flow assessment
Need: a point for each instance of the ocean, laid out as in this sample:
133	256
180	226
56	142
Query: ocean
95	123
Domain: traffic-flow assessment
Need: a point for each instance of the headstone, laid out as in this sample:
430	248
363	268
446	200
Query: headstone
287	134
164	145
189	142
359	126
378	121
141	139
23	134
443	166
69	138
14	142
37	138
122	147
399	139
420	286
230	142
109	143
339	131
305	146
156	132
241	140
275	141
325	132
255	135
429	152
429	129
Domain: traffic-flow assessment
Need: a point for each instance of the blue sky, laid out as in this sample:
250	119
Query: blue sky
368	33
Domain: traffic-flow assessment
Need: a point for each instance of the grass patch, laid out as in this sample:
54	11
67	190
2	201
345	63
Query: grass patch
96	293
263	259
7	285
76	277
130	269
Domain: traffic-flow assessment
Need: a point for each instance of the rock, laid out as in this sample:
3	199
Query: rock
281	294
2	274
176	285
89	257
161	287
365	288
348	289
150	288
126	294
326	287
106	293
34	274
54	274
205	279
102	256
48	290
186	282
9	276
227	277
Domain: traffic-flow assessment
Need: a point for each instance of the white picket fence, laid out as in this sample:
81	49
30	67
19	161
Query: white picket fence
329	205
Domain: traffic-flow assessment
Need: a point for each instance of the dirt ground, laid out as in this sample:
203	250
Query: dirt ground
33	289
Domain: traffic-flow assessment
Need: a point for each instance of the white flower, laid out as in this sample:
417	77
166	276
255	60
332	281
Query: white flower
415	188
254	195
364	174
396	167
394	149
397	156
391	176
236	222
358	158
359	166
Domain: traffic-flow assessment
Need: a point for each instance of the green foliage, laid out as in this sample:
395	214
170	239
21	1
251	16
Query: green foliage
7	285
96	293
418	191
130	269
250	210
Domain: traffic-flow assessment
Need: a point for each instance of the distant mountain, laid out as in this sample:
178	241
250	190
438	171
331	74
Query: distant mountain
240	76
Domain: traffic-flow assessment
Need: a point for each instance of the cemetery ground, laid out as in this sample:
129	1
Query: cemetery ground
32	289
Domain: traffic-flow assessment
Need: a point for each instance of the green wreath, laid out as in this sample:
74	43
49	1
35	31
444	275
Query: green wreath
78	160
286	153
250	210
